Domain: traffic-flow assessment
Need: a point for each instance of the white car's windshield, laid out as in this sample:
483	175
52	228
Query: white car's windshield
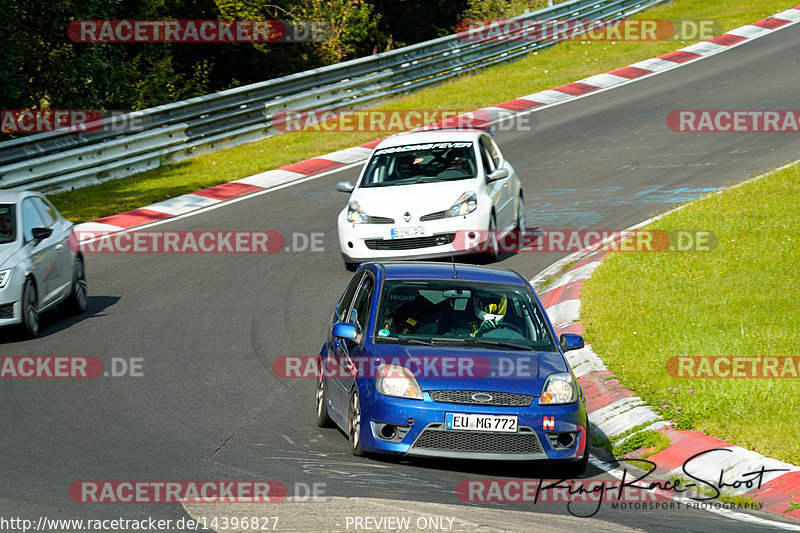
8	228
420	163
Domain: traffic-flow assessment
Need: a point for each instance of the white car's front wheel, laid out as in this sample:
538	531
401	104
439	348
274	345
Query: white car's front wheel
492	251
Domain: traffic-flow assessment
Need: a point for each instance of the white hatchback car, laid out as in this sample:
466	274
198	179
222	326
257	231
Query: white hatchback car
420	190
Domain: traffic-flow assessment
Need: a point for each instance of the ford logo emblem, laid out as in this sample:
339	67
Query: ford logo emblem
482	397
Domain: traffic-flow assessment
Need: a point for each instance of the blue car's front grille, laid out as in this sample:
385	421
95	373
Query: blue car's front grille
7	311
441	440
466	397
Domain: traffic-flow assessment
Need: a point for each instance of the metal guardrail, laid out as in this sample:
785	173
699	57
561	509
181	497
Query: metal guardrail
57	161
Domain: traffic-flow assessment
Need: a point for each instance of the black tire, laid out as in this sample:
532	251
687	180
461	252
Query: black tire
321	403
349	265
354	423
574	469
30	315
77	301
492	253
520	215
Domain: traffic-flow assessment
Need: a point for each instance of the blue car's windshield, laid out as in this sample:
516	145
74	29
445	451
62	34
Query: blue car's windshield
8	226
461	312
420	163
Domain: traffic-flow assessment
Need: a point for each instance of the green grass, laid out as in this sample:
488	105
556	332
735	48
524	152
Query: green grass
651	441
641	309
563	63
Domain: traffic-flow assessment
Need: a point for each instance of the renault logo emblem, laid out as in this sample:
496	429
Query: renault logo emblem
407	216
482	397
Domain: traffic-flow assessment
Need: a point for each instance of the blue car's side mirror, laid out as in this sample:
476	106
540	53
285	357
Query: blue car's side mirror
345	330
570	341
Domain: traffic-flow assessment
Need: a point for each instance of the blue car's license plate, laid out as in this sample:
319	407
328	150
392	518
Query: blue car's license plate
473	422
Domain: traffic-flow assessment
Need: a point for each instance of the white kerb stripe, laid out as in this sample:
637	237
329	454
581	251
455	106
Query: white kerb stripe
655	64
182	204
704	49
789	14
349	155
271	178
604	80
549	96
565	312
749	31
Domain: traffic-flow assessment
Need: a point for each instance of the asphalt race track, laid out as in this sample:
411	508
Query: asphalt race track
209	326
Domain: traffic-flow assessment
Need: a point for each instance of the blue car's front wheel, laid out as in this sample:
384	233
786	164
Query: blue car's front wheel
321	403
354	423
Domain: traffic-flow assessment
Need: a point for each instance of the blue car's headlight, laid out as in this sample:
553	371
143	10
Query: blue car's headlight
466	204
5	275
558	389
396	380
355	214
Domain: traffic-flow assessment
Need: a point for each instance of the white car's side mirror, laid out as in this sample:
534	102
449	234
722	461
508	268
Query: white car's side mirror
345	186
497	174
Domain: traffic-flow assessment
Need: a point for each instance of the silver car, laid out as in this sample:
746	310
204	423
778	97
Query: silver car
40	261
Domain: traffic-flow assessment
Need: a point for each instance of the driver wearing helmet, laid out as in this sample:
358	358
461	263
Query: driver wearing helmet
491	311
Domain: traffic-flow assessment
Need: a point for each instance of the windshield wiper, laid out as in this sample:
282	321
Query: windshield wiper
476	340
409	340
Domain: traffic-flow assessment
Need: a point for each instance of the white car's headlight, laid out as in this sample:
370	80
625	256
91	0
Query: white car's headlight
558	389
5	275
396	380
466	203
355	214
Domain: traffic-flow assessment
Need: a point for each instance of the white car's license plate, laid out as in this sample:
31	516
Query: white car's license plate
471	422
405	233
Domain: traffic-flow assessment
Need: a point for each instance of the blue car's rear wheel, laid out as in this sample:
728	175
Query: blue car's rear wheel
354	423
323	419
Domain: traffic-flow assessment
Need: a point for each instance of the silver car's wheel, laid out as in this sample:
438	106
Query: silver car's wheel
78	299
354	424
520	215
30	315
323	419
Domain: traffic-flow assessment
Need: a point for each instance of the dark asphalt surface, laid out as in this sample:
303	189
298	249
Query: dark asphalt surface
208	327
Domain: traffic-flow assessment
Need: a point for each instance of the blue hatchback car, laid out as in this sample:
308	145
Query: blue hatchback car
455	361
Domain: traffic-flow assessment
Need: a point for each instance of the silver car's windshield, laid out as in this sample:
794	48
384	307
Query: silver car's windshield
8	225
420	163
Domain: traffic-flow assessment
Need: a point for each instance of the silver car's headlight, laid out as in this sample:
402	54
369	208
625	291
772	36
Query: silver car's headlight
558	389
355	214
466	204
5	275
396	380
